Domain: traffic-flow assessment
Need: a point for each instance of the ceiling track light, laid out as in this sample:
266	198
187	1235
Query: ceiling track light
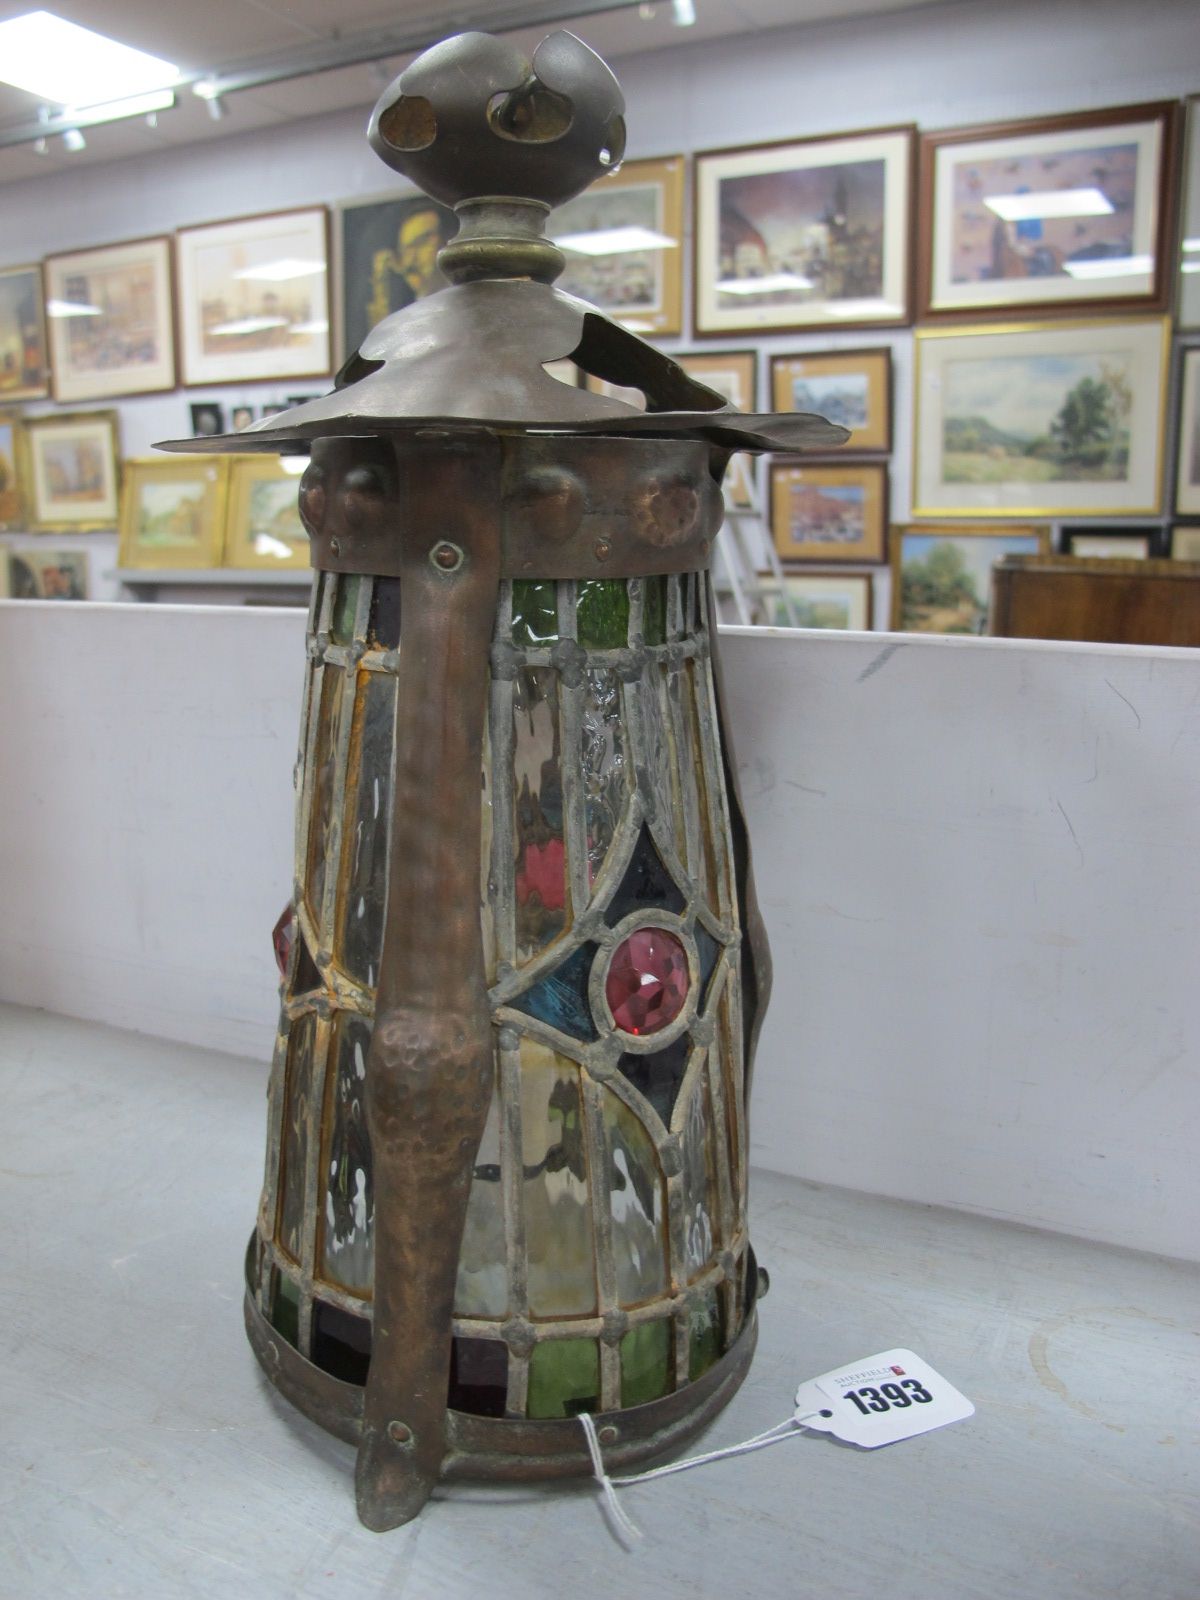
73	140
684	13
217	109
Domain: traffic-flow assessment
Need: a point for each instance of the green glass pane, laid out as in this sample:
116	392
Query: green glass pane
285	1307
705	1334
654	610
296	1120
636	1197
564	1378
368	818
482	1287
602	613
329	732
345	604
534	612
646	1366
558	1227
348	1212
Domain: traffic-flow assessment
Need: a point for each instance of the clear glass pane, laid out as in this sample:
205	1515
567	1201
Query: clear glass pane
657	748
564	1378
348	1244
699	1182
538	812
606	774
558	1226
482	1287
705	781
329	726
679	696
296	1120
367	845
487	822
638	1207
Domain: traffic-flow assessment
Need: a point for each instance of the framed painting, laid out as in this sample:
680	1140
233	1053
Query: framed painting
1040	420
24	358
262	522
11	511
72	472
1117	544
387	247
1187	473
829	513
851	387
942	577
734	374
1189	245
623	240
173	512
1185	543
809	234
109	313
47	574
1052	214
826	600
253	298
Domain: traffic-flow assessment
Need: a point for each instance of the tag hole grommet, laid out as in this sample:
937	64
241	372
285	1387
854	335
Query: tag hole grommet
447	557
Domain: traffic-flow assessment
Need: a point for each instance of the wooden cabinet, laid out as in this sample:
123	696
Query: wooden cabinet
1109	601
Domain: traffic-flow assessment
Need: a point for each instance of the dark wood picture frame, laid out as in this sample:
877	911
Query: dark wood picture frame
706	223
932	302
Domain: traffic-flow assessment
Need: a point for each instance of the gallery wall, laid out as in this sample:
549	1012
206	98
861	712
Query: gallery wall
937	65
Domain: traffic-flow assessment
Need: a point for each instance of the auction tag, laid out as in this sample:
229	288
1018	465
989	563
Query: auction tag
880	1400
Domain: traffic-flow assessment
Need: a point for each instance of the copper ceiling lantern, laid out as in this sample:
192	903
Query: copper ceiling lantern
506	1162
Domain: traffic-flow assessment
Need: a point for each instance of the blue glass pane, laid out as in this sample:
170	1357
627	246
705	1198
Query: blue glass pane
659	1076
561	999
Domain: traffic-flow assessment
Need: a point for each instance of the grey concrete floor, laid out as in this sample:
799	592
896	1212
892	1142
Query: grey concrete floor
143	1455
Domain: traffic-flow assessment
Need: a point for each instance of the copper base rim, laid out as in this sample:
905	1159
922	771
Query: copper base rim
514	1448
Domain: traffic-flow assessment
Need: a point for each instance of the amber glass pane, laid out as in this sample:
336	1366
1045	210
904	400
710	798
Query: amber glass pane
699	1182
348	1210
482	1287
341	1342
606	774
564	1378
636	1198
366	844
383	627
602	613
706	1339
294	1152
534	612
646	1365
478	1377
558	1226
538	812
329	727
345	604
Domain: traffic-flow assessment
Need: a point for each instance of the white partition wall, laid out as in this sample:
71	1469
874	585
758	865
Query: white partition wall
979	863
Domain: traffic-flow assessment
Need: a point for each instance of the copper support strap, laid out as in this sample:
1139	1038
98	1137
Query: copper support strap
430	1064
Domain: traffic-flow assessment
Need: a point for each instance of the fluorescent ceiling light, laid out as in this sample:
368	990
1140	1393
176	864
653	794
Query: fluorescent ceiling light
614	241
1190	246
71	308
1110	267
134	105
1049	203
61	62
684	13
773	283
1190	266
74	140
280	271
248	325
313	327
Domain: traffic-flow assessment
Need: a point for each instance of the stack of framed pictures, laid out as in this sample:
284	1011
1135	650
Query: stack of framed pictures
197	512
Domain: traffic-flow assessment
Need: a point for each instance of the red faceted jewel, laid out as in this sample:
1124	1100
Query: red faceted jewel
283	937
647	981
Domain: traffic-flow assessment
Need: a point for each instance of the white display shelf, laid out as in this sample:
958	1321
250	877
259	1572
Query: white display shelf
218	577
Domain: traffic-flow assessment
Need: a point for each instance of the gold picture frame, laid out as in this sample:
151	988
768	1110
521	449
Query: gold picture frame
71	471
263	531
639	283
850	387
1187	471
829	514
12	453
734	374
1040	419
173	513
24	352
919	604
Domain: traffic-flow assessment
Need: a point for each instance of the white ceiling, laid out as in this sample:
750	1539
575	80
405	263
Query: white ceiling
219	36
